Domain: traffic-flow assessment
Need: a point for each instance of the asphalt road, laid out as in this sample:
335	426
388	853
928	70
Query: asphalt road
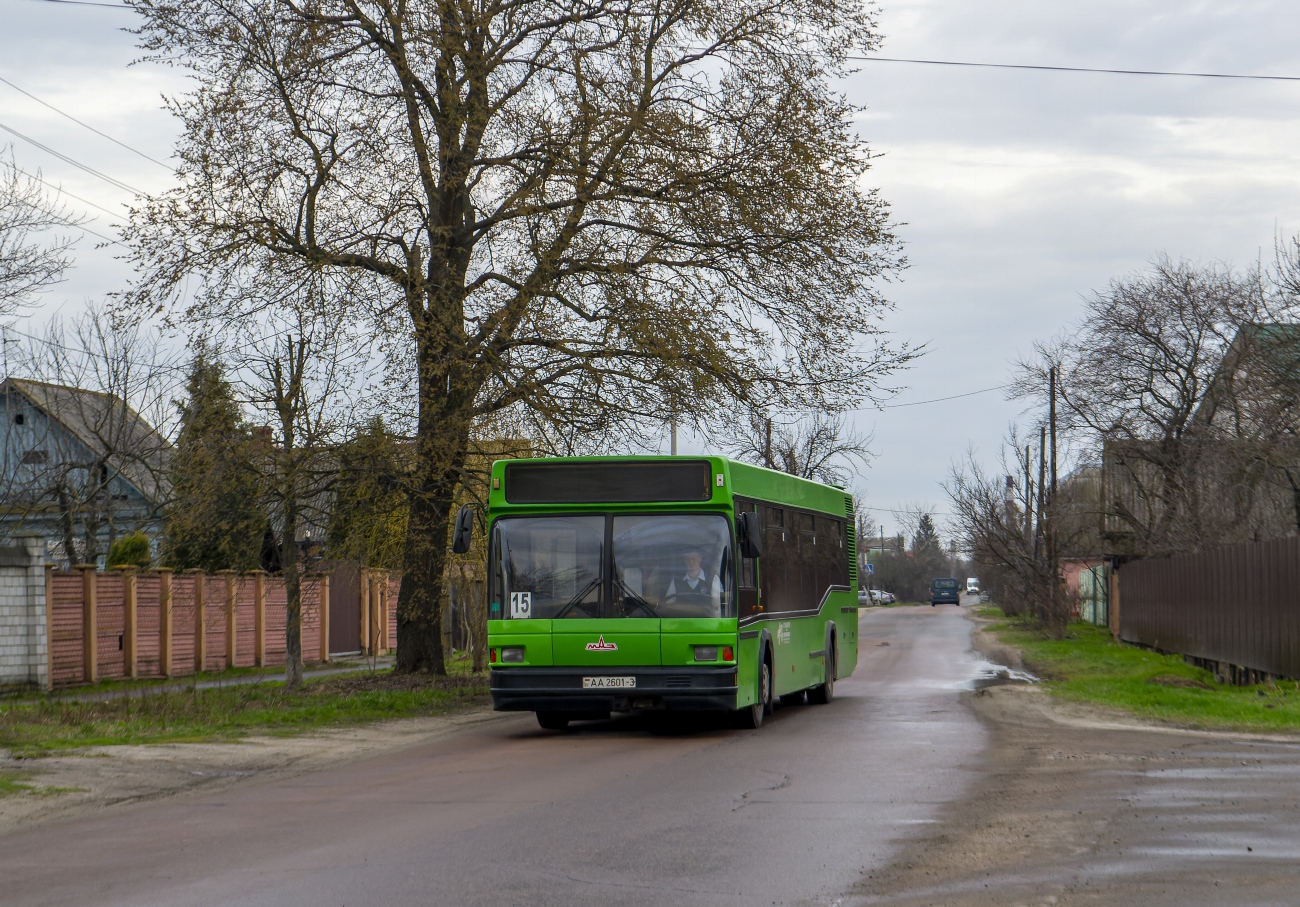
616	812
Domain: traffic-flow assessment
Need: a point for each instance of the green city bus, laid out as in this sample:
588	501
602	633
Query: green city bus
642	583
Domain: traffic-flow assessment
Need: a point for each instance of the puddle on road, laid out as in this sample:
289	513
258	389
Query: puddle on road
988	674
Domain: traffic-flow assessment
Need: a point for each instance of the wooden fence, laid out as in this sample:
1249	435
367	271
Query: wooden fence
1234	609
124	624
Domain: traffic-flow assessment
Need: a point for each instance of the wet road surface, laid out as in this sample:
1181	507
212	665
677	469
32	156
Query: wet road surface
617	812
1071	807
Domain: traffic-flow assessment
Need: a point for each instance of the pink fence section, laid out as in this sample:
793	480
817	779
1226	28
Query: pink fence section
64	602
394	586
68	614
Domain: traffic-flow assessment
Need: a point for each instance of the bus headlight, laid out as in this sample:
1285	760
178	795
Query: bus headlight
512	653
706	653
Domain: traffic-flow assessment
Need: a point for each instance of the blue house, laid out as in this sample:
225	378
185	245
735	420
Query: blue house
78	467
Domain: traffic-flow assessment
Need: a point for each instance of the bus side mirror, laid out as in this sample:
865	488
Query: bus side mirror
748	535
464	530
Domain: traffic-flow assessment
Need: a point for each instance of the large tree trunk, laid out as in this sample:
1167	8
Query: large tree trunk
442	438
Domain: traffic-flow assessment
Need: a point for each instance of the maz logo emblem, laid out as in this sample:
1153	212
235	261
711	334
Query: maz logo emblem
601	646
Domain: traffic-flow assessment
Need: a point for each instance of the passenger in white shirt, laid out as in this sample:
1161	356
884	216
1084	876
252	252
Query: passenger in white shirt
696	587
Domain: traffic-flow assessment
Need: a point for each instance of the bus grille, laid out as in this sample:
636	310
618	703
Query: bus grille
677	681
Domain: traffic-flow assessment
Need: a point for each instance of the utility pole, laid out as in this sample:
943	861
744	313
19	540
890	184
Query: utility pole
1053	565
673	443
1041	508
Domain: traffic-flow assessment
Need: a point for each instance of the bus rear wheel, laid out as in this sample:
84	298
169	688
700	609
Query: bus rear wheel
752	717
820	695
553	721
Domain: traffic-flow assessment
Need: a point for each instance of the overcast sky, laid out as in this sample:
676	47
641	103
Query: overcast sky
1018	191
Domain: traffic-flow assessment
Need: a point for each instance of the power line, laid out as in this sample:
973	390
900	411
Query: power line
105	135
906	513
1114	72
84	229
88	3
63	157
985	390
62	191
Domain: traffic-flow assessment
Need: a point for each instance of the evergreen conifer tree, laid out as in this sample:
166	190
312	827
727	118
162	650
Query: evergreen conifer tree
215	518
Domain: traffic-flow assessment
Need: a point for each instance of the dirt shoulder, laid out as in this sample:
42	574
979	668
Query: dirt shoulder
78	782
1078	806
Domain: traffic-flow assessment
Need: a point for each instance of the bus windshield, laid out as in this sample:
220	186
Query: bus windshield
676	565
660	565
549	567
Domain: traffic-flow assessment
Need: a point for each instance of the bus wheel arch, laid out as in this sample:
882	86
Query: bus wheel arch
825	691
752	715
770	660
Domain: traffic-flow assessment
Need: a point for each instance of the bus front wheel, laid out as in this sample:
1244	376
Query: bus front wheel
752	717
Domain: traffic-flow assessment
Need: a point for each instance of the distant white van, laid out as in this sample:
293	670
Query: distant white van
973	585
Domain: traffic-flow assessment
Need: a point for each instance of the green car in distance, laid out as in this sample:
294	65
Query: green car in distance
944	591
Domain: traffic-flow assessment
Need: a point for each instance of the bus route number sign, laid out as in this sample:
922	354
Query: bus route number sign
521	605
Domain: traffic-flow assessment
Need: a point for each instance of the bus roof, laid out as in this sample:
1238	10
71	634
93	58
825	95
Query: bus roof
544	483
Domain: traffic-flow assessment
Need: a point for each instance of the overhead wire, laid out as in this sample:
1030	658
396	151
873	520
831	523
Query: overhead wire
985	390
62	191
1115	72
63	113
88	3
63	157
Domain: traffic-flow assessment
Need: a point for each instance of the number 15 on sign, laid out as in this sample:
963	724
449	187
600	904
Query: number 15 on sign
521	605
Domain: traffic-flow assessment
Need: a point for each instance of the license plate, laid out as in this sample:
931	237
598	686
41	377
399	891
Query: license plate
605	683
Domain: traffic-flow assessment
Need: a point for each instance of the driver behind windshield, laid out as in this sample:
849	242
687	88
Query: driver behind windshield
695	587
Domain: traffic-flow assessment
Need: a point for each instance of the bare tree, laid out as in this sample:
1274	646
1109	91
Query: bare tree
296	377
32	257
579	208
821	446
1142	375
1005	523
88	421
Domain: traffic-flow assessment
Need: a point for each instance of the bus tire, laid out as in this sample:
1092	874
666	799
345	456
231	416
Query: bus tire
752	716
553	721
825	692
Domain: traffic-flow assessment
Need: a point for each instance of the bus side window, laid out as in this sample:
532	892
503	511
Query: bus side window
779	560
747	577
747	574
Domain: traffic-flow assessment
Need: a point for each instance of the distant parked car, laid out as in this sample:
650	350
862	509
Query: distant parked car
865	598
984	596
887	598
944	591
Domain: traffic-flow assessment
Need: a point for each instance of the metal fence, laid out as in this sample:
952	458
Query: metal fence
1237	606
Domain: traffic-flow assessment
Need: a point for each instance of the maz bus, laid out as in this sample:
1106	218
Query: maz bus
631	583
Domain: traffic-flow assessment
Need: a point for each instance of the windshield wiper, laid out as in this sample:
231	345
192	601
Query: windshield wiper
637	600
577	598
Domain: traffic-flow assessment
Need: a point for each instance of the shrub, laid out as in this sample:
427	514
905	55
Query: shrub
131	550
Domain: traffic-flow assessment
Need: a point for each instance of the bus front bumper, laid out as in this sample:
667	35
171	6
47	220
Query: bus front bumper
569	689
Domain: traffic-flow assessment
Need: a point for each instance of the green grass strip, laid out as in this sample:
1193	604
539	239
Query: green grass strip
55	722
1089	666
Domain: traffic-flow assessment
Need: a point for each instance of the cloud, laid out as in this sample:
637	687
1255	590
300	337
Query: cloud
1018	192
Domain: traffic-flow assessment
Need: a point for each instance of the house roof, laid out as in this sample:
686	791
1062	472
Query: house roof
1262	361
107	426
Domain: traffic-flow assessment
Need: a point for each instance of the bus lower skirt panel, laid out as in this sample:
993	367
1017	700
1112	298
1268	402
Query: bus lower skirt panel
561	689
